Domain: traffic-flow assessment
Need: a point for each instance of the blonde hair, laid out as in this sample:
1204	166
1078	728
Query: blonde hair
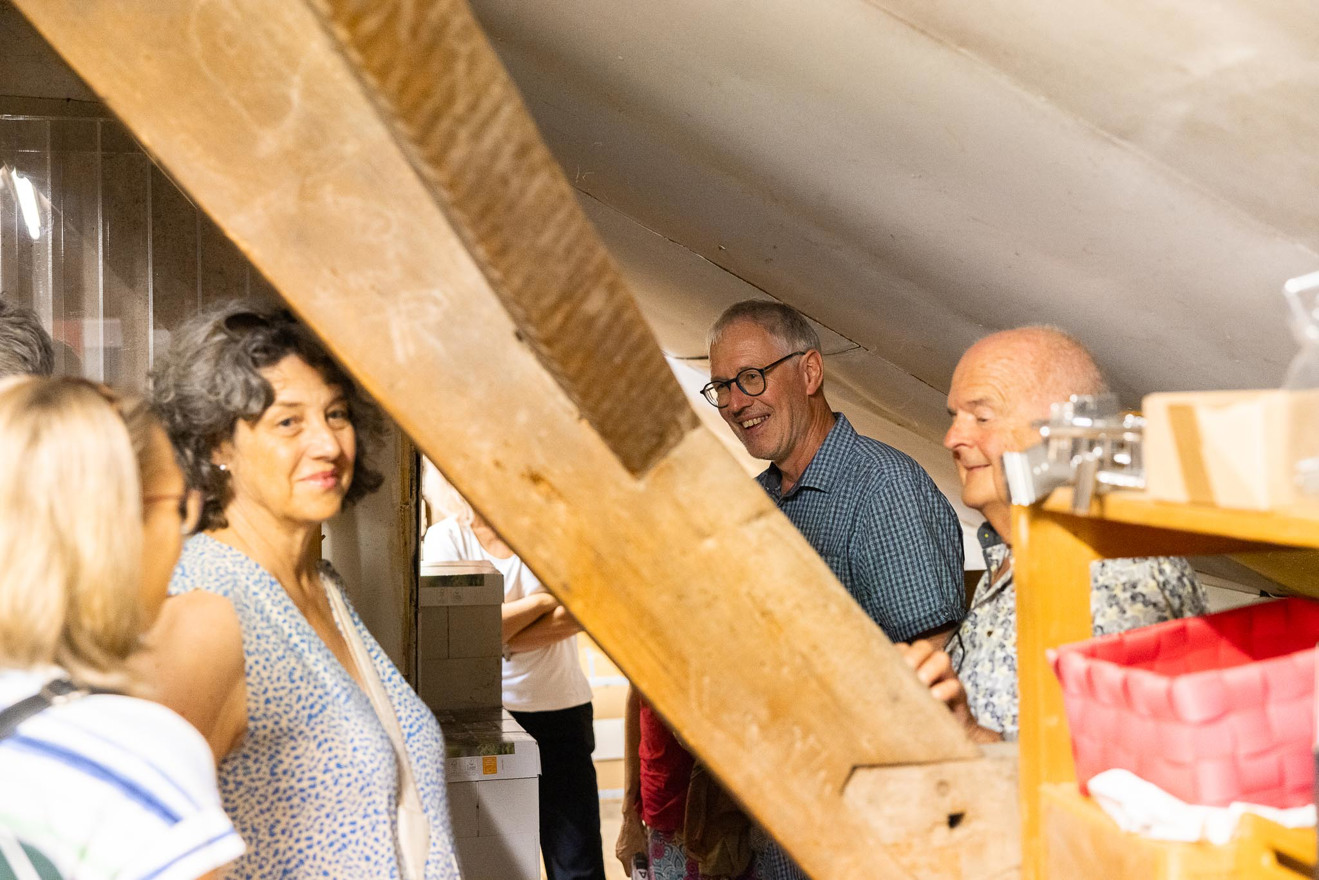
70	526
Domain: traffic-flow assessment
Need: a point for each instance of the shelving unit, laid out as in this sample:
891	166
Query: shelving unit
1053	547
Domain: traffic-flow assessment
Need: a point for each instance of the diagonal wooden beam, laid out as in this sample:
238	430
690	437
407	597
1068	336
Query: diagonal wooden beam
433	76
1296	570
375	163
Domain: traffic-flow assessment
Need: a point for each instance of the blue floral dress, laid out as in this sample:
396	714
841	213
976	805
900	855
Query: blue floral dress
312	789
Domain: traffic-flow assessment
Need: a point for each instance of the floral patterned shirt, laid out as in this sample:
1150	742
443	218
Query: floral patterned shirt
1124	594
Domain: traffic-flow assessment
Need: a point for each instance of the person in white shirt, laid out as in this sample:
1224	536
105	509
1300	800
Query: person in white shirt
95	783
543	686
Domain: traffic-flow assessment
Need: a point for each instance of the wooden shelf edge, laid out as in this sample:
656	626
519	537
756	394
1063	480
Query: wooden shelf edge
1293	527
1081	841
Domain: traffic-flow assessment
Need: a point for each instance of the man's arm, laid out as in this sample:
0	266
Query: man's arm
934	668
555	626
907	559
519	614
937	638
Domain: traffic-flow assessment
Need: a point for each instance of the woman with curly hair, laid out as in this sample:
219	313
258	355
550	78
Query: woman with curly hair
331	766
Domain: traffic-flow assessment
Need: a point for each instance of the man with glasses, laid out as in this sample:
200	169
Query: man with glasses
870	511
1002	386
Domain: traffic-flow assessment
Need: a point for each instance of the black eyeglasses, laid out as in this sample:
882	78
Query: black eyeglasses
751	382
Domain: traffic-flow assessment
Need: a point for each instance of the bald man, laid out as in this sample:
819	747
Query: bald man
1002	385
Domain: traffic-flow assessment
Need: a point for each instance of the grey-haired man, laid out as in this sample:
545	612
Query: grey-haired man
870	511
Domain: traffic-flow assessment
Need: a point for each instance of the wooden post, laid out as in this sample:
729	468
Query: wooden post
1053	608
374	162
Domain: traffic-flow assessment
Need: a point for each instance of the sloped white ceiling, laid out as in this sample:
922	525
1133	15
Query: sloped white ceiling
913	174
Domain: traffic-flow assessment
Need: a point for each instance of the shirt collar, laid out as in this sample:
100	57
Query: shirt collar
824	467
992	545
988	536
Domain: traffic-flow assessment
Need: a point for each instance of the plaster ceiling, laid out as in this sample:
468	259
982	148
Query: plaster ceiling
915	173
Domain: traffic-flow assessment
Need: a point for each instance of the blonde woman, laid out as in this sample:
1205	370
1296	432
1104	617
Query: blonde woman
94	783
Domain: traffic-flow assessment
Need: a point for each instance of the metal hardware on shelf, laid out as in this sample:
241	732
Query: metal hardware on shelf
1088	442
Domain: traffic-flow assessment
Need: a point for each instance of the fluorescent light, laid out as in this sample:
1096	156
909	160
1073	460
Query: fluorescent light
27	203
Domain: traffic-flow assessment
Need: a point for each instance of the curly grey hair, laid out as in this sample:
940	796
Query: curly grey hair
25	346
211	378
783	322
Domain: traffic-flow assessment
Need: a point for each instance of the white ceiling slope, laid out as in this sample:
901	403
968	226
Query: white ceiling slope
915	173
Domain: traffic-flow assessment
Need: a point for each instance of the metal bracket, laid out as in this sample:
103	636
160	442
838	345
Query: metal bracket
1088	442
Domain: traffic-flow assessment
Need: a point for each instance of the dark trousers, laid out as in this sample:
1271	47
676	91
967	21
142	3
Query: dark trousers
569	799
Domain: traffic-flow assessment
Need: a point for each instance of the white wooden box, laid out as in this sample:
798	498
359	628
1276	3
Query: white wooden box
1230	448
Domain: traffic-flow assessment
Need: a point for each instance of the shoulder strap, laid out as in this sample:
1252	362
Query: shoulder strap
413	824
57	690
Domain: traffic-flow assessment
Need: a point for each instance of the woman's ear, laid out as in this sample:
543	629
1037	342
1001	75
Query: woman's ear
223	455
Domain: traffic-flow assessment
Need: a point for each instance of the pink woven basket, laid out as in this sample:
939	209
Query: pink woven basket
1211	709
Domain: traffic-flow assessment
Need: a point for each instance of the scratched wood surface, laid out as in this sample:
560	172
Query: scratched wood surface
377	166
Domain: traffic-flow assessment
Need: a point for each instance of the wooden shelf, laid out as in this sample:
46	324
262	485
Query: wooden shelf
1053	549
1298	527
1084	843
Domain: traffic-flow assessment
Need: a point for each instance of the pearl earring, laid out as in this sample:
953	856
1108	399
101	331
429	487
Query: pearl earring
223	467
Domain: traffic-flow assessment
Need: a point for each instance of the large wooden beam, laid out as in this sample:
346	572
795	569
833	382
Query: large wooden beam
1296	570
435	79
373	160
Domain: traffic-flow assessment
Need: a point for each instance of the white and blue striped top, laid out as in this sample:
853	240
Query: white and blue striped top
107	787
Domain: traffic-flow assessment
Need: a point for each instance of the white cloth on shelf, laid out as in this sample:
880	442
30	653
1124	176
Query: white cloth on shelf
1141	806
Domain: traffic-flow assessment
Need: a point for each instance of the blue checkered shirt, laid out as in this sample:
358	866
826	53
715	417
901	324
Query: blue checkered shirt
888	534
884	529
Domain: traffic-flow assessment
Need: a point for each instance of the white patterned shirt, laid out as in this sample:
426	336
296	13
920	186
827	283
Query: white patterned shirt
313	787
1124	594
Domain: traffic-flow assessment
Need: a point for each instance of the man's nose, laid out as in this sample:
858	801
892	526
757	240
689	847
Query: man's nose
738	399
956	435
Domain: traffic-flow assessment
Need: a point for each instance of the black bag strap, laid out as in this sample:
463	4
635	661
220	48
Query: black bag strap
57	690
